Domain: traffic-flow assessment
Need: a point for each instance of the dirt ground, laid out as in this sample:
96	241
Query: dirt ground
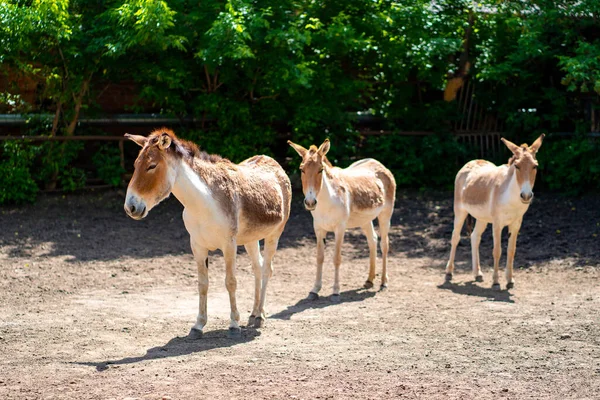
94	305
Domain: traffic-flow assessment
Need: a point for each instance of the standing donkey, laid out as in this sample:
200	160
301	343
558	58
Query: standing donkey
497	195
225	205
346	198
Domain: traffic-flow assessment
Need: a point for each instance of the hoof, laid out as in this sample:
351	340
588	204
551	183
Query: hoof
251	320
510	285
383	287
195	334
234	333
335	298
368	285
448	277
479	278
258	322
496	287
313	296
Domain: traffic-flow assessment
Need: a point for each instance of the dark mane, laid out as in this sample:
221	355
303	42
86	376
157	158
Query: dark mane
188	150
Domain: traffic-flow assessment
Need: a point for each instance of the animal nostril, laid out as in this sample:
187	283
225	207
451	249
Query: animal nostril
132	208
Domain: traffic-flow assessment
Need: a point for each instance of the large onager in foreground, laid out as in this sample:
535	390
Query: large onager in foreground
225	205
346	198
498	195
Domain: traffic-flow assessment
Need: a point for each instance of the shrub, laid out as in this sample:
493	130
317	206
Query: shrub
16	183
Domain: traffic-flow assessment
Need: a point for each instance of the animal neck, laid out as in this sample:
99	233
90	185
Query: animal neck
191	190
511	191
327	192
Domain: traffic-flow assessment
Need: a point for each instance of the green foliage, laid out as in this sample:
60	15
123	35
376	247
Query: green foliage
582	70
571	165
249	70
55	162
430	161
108	165
71	179
16	182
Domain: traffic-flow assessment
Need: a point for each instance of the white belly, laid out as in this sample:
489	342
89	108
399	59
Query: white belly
363	217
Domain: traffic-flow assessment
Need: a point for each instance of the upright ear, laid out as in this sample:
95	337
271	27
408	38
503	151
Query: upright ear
139	140
299	149
511	146
164	141
324	148
537	144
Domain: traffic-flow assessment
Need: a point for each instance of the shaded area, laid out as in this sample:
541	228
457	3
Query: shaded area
554	227
349	296
180	346
471	289
93	226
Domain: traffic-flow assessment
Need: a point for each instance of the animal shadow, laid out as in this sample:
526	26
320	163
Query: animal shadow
179	346
349	296
471	289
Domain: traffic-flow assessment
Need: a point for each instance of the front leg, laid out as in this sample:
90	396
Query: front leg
497	228
229	254
201	257
337	261
320	234
513	230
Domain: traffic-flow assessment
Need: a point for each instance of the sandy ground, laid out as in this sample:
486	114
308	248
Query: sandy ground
97	306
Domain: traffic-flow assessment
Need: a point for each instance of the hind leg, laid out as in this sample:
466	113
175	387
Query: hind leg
253	250
475	240
385	219
459	220
271	243
369	232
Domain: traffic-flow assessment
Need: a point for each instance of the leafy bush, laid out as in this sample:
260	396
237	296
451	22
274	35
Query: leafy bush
571	165
16	182
250	70
430	161
108	165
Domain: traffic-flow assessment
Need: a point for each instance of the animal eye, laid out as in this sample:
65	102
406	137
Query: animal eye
151	167
321	170
517	167
535	167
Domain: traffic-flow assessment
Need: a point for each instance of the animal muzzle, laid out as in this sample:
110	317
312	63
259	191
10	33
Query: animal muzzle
135	207
310	204
526	197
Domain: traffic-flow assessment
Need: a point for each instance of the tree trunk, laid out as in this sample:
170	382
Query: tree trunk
78	103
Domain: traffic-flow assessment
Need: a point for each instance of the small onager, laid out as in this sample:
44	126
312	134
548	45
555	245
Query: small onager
499	195
225	205
346	198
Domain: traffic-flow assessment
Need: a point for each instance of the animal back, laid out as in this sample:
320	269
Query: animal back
370	184
265	191
475	182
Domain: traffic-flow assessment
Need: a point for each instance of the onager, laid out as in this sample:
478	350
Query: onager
225	205
499	195
346	198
